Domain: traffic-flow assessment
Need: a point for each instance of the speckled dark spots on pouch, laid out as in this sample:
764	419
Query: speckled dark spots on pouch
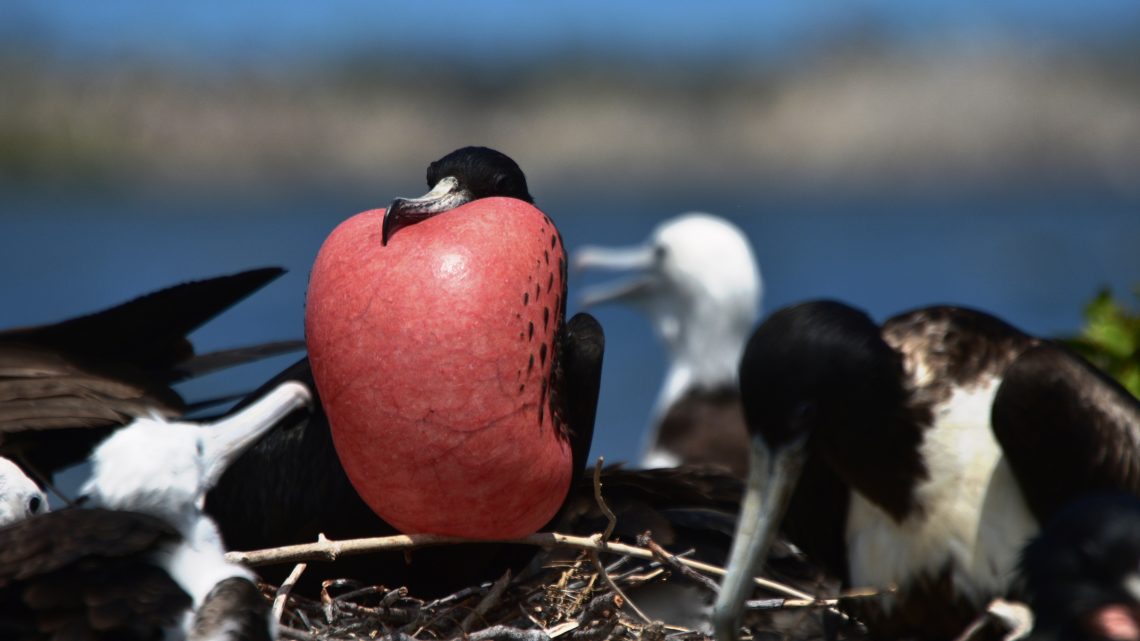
542	354
530	330
530	364
526	298
553	240
546	256
545	318
537	290
522	386
550	283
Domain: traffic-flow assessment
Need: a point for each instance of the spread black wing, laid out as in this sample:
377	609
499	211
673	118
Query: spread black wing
89	574
1066	428
101	370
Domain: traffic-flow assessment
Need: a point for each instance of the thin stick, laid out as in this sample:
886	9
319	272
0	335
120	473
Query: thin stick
486	603
605	537
601	568
286	587
610	516
330	550
296	635
675	563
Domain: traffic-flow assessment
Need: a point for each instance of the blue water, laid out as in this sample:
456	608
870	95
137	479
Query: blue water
1033	257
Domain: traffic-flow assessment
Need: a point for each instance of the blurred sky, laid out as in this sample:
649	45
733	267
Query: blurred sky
496	31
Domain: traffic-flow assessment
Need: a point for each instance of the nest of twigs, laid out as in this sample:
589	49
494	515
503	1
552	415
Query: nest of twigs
572	597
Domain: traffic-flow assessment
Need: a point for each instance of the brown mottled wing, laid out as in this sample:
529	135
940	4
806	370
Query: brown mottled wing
49	405
947	346
1066	428
233	611
86	572
706	427
58	382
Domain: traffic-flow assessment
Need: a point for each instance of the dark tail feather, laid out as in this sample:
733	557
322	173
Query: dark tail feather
149	331
203	364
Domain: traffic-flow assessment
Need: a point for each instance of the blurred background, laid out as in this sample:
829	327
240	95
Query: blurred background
889	153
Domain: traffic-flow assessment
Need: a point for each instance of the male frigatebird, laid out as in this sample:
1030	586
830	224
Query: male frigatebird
457	397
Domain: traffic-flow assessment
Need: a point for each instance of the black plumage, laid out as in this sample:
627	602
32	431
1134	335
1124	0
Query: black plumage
930	448
1082	573
64	386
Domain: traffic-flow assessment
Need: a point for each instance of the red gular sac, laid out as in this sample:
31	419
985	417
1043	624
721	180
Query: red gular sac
435	354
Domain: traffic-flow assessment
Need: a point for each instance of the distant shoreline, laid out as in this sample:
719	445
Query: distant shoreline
852	120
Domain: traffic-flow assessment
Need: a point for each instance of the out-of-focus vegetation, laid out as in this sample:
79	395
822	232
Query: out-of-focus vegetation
1110	338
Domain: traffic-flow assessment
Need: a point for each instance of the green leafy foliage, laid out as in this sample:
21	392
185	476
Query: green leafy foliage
1110	338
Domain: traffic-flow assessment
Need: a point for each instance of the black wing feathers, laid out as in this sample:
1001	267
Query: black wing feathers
1066	428
583	346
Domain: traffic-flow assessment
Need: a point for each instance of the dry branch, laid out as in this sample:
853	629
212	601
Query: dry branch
330	550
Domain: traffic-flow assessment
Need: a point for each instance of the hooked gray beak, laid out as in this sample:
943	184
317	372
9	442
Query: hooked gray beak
445	195
225	440
772	478
635	259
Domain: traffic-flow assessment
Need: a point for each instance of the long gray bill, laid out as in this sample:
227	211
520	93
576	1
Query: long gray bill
772	478
638	260
227	438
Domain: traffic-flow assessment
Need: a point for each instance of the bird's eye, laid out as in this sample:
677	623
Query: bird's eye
34	504
201	448
659	253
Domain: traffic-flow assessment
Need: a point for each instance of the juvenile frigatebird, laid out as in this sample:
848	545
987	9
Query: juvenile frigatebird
461	402
20	497
65	386
697	280
141	560
927	451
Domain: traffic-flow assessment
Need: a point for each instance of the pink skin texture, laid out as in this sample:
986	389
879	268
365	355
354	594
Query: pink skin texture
430	355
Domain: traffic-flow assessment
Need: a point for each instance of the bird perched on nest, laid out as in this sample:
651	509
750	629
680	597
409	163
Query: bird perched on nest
141	560
921	453
697	280
461	402
65	386
20	497
514	351
1082	573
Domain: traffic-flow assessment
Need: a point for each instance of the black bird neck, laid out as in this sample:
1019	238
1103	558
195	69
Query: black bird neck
876	450
823	369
